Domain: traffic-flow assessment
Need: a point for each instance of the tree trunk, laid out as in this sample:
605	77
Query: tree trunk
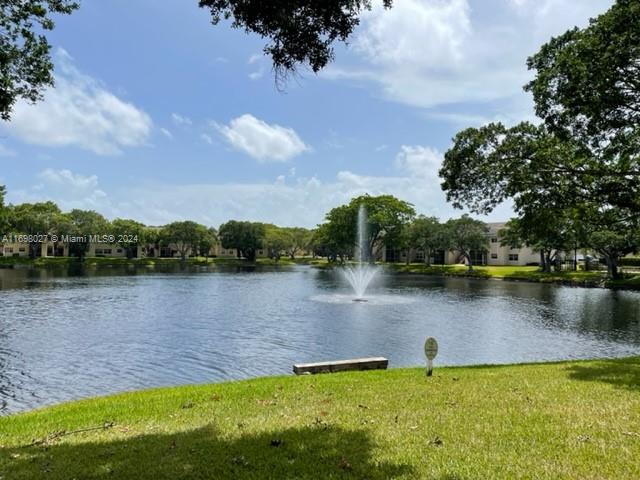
612	266
468	257
427	257
543	263
548	261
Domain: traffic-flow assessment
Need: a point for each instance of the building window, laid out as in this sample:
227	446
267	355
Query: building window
22	249
420	255
494	240
494	256
8	250
119	250
513	257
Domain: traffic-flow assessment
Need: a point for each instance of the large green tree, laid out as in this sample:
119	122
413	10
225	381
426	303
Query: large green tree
298	32
130	233
466	235
424	234
36	219
185	236
587	92
335	238
547	232
386	218
25	62
298	240
612	234
245	237
587	82
277	241
82	224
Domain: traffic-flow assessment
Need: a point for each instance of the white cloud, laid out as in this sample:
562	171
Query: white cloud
206	138
70	190
80	112
167	133
256	59
262	141
420	162
181	120
439	53
289	200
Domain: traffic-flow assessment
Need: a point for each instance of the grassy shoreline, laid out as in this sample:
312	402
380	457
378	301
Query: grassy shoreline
592	279
551	420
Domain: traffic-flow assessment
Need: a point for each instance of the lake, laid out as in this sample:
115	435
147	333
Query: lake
71	334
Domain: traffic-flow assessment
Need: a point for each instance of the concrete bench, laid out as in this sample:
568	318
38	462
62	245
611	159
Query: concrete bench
374	363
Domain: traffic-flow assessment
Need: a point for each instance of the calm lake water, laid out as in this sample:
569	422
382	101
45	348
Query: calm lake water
67	335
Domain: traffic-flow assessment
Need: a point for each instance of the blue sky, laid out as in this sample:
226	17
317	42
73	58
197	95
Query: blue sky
159	116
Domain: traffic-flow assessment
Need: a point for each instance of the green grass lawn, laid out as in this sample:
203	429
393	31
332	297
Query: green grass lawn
522	273
578	420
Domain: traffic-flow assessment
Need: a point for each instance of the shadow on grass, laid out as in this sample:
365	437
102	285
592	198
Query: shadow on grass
623	373
302	453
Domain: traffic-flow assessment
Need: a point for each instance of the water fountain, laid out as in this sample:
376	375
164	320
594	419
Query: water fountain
362	273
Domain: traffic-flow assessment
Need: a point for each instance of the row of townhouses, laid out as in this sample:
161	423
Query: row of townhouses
496	254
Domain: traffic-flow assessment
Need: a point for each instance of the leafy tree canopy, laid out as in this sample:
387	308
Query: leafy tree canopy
465	235
245	237
25	62
587	82
298	32
587	91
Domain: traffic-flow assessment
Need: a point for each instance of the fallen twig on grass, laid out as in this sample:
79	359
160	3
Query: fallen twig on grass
64	433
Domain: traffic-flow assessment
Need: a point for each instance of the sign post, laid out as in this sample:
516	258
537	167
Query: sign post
430	351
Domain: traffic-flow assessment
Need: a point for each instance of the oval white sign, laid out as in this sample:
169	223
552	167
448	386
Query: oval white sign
431	348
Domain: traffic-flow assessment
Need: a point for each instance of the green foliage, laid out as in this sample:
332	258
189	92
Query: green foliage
387	218
245	237
299	32
188	237
586	82
134	233
575	179
277	241
546	231
425	234
612	235
465	235
82	223
25	64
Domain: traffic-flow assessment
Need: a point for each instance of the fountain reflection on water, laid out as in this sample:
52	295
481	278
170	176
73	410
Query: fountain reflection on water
360	275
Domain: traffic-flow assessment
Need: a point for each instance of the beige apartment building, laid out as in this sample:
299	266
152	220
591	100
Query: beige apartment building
496	254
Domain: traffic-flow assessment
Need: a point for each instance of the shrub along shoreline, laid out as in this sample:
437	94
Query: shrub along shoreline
576	419
591	279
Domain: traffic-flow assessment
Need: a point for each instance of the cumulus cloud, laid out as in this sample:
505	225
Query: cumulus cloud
80	112
434	54
420	162
263	141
